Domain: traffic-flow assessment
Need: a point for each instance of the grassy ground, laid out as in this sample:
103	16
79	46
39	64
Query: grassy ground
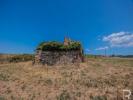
96	79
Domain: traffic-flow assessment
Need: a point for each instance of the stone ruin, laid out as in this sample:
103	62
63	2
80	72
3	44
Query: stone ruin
52	53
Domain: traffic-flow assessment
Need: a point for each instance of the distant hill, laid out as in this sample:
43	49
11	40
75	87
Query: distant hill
123	56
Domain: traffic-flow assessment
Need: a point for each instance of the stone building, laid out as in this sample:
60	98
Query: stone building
67	41
52	53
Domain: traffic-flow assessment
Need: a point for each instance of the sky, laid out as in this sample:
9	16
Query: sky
98	24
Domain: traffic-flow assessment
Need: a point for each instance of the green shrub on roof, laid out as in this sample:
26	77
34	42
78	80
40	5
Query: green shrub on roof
53	45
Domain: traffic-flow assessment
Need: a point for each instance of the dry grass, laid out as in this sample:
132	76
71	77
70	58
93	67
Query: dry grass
96	79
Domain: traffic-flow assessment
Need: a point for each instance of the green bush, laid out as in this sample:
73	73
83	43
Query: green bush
53	45
64	96
98	98
2	98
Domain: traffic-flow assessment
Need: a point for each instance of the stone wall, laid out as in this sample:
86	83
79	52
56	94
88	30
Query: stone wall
58	57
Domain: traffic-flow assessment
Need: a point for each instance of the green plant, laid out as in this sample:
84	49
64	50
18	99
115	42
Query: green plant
53	46
98	98
64	96
49	82
4	77
2	98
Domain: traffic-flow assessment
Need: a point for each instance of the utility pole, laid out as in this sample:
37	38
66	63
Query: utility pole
105	52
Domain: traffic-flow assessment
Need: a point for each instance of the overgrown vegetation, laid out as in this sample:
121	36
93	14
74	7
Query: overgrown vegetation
53	45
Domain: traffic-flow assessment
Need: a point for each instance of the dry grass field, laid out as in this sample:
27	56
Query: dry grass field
96	79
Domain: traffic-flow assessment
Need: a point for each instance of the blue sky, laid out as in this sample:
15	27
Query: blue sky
98	24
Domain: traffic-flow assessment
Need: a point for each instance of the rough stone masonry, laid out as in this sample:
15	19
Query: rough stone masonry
52	57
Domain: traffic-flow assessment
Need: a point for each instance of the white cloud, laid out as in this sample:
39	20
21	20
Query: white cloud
87	50
120	39
102	48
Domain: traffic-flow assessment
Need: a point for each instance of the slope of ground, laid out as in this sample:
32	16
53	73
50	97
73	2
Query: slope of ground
96	79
